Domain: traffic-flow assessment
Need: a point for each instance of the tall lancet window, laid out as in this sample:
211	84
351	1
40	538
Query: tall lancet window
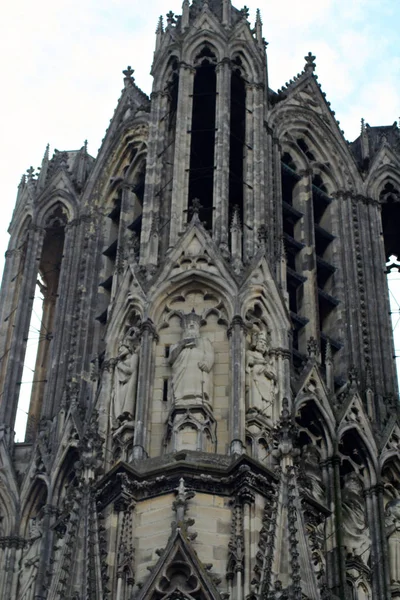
237	139
42	326
201	173
390	201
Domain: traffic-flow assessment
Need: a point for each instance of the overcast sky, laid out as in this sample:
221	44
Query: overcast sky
62	61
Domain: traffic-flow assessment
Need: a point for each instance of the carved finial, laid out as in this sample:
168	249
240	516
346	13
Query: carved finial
362	126
160	25
194	209
262	234
185	14
258	29
285	433
30	172
310	62
312	347
170	19
23	180
245	12
180	504
128	79
353	378
235	217
328	353
85	144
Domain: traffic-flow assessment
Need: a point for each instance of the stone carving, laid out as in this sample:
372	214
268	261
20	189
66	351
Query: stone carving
30	561
392	522
261	381
192	360
310	458
125	377
355	529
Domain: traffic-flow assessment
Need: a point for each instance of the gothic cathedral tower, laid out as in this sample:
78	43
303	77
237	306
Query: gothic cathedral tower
214	408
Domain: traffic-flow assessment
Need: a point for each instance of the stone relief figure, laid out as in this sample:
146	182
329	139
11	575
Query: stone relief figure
356	537
310	458
392	522
30	561
260	378
125	376
192	360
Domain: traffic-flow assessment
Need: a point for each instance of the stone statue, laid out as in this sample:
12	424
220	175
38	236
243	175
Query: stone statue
30	561
355	529
125	376
261	380
192	360
310	458
392	522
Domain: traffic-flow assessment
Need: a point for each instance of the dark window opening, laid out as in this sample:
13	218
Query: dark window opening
320	198
41	328
390	199
236	142
173	88
304	147
201	172
165	390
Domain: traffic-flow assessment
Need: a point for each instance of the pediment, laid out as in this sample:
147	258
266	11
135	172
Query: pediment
311	386
391	440
205	21
179	574
354	415
258	280
385	157
195	255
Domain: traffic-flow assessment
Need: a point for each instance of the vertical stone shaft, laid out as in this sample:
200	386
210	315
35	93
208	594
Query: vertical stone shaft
152	176
222	139
9	398
180	187
143	389
237	411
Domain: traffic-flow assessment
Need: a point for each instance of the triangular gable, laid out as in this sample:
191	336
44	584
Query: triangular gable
205	21
384	159
311	385
391	440
195	253
179	570
354	415
259	275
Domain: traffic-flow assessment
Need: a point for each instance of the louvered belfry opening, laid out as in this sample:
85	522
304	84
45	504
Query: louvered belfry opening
201	175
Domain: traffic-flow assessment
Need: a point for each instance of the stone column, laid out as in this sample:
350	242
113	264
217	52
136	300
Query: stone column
18	340
179	202
222	143
149	336
306	257
57	359
332	556
236	333
378	538
248	191
152	176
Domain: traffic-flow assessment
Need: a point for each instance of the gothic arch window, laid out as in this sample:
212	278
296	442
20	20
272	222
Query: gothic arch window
42	322
237	138
201	170
389	198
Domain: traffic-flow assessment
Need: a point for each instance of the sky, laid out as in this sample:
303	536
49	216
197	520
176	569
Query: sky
61	68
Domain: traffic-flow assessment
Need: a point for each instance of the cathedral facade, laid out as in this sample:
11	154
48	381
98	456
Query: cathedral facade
214	410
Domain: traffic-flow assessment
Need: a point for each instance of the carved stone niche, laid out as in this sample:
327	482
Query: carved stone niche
191	428
261	373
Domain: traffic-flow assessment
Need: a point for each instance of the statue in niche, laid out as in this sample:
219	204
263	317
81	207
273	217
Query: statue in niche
392	522
125	376
310	458
192	360
261	382
30	561
356	537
